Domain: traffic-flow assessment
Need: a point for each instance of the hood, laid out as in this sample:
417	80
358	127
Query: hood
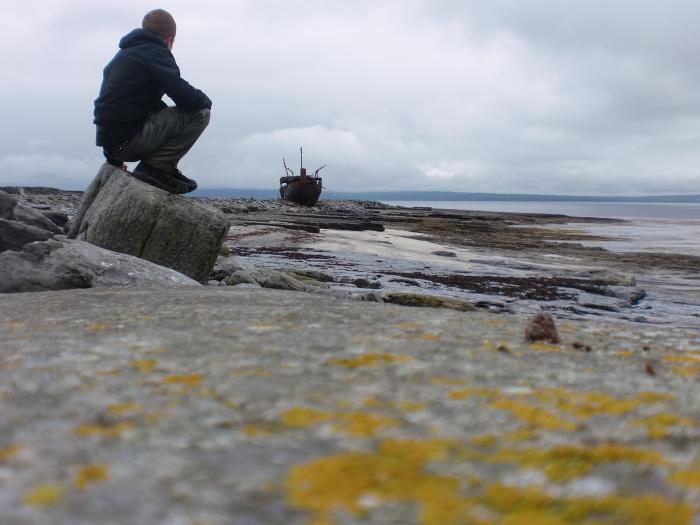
139	37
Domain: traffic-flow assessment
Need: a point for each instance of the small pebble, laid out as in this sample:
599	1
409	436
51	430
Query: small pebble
542	328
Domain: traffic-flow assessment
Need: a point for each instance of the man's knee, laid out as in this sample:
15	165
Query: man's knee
203	115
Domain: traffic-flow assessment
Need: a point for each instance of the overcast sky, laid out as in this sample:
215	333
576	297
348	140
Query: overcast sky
509	96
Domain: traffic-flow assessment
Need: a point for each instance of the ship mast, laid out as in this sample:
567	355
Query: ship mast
301	155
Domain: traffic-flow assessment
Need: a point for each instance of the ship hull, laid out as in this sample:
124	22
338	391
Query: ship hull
304	191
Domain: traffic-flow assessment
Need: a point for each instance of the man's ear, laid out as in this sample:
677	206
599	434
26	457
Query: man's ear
169	41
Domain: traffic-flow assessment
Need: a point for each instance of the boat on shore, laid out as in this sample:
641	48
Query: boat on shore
302	189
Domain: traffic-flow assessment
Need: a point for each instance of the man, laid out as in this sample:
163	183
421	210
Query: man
133	123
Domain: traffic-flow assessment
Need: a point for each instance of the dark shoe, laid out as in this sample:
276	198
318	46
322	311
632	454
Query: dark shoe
114	162
178	176
158	178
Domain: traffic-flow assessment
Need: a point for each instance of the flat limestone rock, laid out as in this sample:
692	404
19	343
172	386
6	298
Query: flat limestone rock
66	264
221	405
125	215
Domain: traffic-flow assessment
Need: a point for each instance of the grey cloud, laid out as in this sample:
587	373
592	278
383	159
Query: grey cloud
540	96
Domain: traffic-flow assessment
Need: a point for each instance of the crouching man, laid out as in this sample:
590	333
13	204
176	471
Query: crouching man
133	123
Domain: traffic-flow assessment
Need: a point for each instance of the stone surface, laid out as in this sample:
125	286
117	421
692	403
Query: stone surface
66	264
15	234
122	214
235	406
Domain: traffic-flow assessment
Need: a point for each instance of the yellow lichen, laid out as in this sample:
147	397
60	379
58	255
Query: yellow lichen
395	473
259	429
360	424
532	415
658	425
97	327
428	337
14	326
584	404
624	353
123	408
654	397
112	430
566	462
401	471
151	417
371	402
518	503
303	416
519	434
143	365
104	373
9	452
411	406
486	440
407	326
90	474
686	371
370	360
43	495
466	393
158	350
682	359
188	379
542	347
356	423
686	478
494	346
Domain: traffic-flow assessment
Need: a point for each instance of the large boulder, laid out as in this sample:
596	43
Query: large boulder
121	213
7	205
61	264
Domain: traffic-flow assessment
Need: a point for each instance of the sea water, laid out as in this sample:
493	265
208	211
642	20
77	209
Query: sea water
649	227
613	210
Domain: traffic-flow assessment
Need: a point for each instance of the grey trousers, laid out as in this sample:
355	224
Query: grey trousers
166	137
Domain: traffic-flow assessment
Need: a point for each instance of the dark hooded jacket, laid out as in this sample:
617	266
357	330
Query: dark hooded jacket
133	85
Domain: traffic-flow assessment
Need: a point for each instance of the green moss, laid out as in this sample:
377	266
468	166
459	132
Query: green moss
427	301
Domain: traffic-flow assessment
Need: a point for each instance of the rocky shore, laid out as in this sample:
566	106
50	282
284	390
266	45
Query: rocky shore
289	389
504	262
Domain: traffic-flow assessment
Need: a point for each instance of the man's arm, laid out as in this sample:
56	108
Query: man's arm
167	75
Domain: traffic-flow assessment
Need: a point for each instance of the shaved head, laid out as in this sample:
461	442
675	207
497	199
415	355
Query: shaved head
160	22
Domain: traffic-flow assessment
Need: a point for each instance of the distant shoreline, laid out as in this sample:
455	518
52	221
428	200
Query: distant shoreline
426	196
418	196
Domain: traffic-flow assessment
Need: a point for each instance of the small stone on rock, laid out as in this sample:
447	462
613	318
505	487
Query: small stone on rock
542	328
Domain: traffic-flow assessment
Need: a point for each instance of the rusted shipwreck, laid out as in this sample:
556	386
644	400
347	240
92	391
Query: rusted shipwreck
303	189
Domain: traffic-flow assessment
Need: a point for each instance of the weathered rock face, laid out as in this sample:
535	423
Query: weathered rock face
15	234
20	224
60	264
33	217
122	214
231	406
7	205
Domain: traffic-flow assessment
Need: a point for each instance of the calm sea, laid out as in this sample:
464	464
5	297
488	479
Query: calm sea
652	227
615	210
